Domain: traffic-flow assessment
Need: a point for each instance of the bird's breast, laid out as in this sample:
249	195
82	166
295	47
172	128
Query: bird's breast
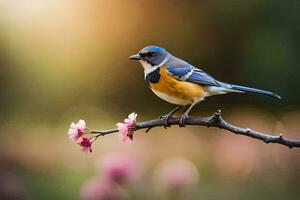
165	86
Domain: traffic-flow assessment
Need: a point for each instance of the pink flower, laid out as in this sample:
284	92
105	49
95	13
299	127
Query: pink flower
86	144
120	168
126	128
98	189
76	130
177	175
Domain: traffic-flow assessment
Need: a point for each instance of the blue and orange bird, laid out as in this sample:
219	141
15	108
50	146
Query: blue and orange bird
178	82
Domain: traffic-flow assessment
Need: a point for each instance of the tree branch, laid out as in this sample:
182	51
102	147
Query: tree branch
215	120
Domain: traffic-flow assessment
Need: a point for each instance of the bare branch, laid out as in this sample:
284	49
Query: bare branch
215	120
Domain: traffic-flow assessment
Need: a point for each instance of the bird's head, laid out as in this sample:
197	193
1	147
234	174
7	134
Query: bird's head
151	57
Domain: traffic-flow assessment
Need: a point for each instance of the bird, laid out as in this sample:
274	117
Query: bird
178	82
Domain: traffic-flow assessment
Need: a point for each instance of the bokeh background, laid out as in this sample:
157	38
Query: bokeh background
64	60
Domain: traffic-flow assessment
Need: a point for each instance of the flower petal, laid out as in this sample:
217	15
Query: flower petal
86	144
81	125
132	116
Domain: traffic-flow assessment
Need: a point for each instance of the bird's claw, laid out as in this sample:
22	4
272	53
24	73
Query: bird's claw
183	119
165	119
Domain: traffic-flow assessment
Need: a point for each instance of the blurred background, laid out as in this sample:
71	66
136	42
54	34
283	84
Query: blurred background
65	60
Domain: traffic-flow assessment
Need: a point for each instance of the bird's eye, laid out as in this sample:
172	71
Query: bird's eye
146	54
149	54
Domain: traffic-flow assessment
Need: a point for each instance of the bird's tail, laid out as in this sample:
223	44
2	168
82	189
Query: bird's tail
238	88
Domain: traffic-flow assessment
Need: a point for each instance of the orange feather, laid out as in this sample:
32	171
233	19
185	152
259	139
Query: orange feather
179	89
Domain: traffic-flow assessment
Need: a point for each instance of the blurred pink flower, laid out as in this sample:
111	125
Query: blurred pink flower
120	168
11	186
177	175
100	190
76	130
126	128
86	144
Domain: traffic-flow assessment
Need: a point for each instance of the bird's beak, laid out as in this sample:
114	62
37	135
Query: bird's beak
135	57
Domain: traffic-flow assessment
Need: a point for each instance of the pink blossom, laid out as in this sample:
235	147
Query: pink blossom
98	189
76	130
120	168
86	144
12	186
177	175
126	128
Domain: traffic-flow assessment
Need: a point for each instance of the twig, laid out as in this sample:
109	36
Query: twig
215	120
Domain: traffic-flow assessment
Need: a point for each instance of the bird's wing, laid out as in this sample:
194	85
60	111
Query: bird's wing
184	72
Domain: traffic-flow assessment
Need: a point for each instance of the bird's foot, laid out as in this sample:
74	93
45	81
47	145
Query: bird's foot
165	119
183	119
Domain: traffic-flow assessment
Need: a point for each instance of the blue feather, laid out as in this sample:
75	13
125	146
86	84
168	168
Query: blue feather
179	71
249	89
191	74
202	78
